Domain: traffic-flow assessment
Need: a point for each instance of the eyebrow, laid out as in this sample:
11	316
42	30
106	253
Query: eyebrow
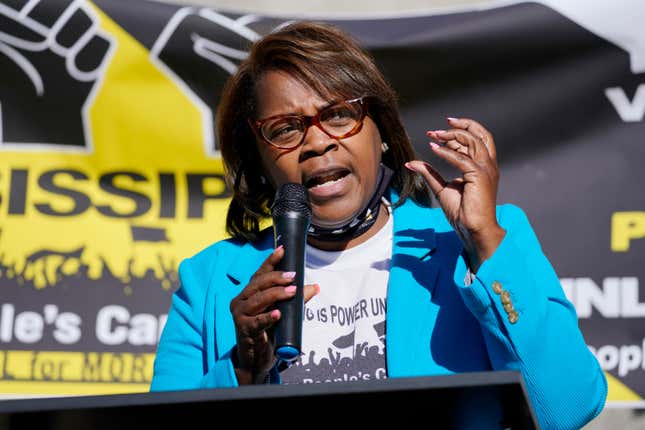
318	109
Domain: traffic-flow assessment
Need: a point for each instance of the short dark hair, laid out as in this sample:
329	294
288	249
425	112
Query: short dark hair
330	62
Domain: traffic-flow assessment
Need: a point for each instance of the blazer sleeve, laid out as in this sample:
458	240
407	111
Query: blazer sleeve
530	326
181	359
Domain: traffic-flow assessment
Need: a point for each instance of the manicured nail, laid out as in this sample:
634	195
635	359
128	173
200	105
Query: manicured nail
434	145
275	314
278	249
438	131
449	118
289	275
408	166
290	289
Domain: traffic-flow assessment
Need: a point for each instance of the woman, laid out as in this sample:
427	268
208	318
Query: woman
466	285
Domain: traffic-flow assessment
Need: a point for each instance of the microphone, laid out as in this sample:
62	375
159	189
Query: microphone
291	213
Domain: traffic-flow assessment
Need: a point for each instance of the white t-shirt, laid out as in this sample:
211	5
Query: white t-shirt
343	333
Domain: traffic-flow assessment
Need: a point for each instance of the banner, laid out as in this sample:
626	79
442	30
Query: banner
110	172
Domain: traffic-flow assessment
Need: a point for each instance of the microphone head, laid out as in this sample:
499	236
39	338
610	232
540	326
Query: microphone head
291	197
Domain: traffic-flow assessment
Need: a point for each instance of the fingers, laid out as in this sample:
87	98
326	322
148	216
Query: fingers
262	281
468	147
250	316
434	180
254	325
266	287
478	130
310	291
467	140
461	160
463	142
262	300
250	309
271	261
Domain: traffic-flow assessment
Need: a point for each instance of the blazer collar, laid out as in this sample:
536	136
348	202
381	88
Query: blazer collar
414	274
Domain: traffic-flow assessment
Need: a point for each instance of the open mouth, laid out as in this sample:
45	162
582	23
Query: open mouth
326	178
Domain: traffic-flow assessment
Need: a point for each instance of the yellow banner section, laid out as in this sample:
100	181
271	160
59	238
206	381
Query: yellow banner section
617	391
74	373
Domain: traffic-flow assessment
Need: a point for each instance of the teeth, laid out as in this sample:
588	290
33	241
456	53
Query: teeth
326	179
328	182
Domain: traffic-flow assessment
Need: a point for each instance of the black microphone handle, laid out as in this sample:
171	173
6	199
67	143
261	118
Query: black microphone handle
290	231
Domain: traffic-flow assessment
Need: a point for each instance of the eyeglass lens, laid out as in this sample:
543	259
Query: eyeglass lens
336	120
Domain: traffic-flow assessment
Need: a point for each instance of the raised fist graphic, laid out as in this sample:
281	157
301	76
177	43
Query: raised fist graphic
202	48
52	54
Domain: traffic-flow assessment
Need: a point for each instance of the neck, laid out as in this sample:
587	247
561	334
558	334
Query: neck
381	220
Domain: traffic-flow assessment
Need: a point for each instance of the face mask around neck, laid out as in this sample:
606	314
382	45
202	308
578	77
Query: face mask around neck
360	223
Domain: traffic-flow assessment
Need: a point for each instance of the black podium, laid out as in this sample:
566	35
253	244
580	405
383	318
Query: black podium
479	400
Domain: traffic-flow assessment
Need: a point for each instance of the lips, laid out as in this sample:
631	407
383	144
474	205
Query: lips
325	177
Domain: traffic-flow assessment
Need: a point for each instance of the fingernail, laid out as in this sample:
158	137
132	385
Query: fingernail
408	166
290	289
278	249
434	145
438	131
317	288
449	118
289	275
275	314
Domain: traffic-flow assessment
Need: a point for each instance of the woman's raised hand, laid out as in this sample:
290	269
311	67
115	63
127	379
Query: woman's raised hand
468	200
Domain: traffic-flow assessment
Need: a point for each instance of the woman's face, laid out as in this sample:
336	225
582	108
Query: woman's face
340	174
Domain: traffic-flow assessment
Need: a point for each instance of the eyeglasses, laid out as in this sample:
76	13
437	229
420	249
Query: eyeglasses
339	120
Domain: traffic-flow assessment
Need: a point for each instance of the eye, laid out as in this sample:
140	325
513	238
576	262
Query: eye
282	129
340	114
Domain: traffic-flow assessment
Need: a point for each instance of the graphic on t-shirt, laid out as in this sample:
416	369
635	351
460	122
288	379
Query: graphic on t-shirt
354	355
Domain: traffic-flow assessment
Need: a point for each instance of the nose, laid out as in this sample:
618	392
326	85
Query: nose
316	142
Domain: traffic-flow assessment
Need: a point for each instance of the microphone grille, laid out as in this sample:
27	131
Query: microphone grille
291	197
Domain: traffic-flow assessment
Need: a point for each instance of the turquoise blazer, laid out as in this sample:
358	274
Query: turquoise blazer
436	324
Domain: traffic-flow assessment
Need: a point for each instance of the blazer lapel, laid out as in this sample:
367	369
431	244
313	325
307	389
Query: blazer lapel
413	277
248	259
